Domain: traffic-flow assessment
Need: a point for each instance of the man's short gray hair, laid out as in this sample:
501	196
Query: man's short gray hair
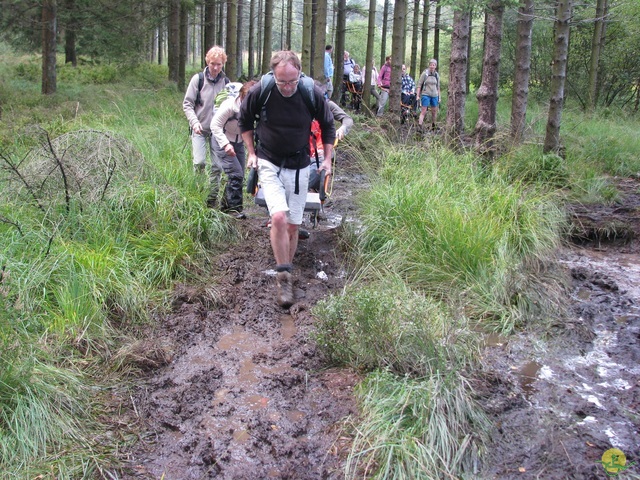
285	56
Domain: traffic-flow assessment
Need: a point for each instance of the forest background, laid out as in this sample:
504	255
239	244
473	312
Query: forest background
51	339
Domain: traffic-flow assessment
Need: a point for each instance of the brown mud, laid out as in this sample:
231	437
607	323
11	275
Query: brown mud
241	391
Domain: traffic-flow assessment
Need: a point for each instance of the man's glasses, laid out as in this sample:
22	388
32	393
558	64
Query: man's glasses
290	83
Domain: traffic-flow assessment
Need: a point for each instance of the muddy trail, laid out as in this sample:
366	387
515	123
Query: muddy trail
237	389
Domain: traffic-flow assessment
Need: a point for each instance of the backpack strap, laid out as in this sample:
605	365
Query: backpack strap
200	85
306	87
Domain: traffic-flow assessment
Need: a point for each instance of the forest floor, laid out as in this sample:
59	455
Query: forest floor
239	390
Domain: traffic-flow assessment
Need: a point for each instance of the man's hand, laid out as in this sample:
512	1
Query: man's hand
328	156
340	133
228	148
197	128
252	161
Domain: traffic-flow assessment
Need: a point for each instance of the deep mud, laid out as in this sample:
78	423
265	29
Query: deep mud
240	390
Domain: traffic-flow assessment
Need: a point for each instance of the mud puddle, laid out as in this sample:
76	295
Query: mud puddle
560	399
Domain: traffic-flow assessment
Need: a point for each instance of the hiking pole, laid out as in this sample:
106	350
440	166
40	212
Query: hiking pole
185	143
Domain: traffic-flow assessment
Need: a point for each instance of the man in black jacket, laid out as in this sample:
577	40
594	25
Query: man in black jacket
282	155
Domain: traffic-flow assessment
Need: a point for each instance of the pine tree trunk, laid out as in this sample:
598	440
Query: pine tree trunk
49	29
231	47
597	44
415	30
424	48
341	28
397	53
522	71
488	92
436	31
385	26
173	40
307	18
369	62
558	76
252	36
184	36
319	41
268	32
457	91
209	27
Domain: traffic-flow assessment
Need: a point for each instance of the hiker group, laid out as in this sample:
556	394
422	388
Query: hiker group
282	127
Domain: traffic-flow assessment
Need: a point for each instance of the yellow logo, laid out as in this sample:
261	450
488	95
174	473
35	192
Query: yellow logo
614	461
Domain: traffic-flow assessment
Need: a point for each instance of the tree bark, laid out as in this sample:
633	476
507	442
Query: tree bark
231	46
488	92
397	53
371	35
436	31
221	18
457	91
307	18
415	30
268	32
597	44
562	30
209	27
319	42
239	40
424	48
49	28
173	40
70	35
184	36
522	72
338	50
385	26
252	36
289	27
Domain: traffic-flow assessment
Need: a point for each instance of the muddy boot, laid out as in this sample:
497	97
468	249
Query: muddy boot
285	289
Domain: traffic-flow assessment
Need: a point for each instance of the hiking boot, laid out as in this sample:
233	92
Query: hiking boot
284	281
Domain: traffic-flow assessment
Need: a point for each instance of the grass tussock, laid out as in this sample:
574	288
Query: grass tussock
454	230
416	428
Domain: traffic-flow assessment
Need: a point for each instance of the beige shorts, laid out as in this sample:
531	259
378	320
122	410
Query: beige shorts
279	186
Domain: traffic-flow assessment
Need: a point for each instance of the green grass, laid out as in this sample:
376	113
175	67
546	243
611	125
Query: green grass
79	272
424	428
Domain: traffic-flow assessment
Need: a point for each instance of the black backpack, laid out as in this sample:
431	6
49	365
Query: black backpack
306	87
201	84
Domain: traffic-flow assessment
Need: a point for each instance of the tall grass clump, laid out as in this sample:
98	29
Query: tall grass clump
456	231
45	422
387	325
416	428
416	405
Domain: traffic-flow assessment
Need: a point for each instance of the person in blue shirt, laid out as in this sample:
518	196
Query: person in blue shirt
328	70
